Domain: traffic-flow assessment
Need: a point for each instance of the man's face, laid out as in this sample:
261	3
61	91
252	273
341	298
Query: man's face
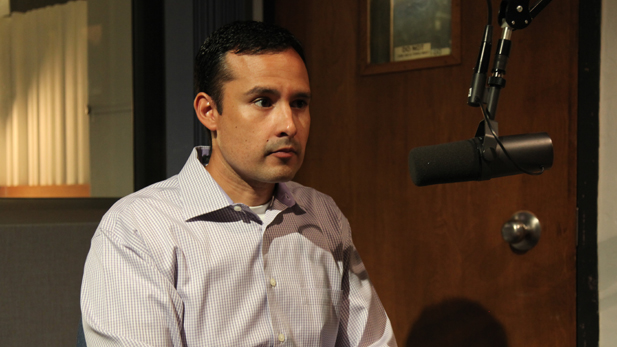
262	133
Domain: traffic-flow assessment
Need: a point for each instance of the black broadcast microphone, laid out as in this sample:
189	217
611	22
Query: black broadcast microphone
486	155
468	161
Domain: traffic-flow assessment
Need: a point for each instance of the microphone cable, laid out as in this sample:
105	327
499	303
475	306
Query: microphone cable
486	120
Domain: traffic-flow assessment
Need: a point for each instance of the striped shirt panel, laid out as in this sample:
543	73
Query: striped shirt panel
179	264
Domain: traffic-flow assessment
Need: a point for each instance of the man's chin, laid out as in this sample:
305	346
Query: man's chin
279	177
282	179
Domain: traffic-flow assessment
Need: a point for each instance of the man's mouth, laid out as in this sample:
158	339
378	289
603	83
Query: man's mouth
284	152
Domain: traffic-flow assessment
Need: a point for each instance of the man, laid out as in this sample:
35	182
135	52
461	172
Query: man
227	253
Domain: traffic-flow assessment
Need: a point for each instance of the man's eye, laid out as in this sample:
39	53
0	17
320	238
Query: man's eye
262	102
299	104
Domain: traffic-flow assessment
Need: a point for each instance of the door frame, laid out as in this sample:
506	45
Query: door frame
588	130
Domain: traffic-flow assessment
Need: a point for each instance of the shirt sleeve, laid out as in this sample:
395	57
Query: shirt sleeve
125	299
364	321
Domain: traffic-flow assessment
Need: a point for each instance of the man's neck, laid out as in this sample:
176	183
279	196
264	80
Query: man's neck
240	191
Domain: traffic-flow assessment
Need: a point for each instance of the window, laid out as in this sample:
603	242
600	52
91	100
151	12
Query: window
66	113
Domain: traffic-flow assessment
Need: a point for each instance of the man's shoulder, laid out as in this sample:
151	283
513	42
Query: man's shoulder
144	203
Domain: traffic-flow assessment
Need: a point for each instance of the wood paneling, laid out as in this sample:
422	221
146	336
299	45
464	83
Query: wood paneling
435	254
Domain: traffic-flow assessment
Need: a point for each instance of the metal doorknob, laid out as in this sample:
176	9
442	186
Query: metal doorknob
522	231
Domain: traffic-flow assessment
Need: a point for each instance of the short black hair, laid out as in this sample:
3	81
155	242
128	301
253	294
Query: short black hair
242	37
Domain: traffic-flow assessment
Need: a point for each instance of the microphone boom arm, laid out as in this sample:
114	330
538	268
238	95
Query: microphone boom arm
517	13
513	15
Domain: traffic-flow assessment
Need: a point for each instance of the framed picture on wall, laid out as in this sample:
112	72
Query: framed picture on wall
400	35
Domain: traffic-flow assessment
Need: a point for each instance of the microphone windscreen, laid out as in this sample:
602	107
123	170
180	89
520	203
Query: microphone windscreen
445	163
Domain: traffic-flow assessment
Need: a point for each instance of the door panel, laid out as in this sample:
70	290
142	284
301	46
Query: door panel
435	254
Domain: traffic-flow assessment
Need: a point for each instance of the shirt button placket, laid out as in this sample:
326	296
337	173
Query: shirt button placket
281	336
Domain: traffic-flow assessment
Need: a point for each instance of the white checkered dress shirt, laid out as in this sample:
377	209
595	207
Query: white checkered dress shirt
179	264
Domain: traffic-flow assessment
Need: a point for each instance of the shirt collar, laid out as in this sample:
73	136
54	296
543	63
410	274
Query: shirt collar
284	195
201	194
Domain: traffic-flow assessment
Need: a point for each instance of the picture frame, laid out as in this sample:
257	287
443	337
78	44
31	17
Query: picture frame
399	35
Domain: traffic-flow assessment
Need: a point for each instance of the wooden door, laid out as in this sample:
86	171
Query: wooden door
435	254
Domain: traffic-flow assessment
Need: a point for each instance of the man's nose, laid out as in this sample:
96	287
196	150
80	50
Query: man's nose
287	122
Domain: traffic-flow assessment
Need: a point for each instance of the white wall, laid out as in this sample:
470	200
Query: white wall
110	97
607	196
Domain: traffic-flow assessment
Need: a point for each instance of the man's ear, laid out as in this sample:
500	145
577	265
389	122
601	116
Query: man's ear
206	111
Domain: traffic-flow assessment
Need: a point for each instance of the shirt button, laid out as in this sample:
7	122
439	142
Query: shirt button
273	284
281	338
237	208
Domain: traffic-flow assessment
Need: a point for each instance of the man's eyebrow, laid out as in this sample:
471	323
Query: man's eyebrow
273	91
262	90
303	95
